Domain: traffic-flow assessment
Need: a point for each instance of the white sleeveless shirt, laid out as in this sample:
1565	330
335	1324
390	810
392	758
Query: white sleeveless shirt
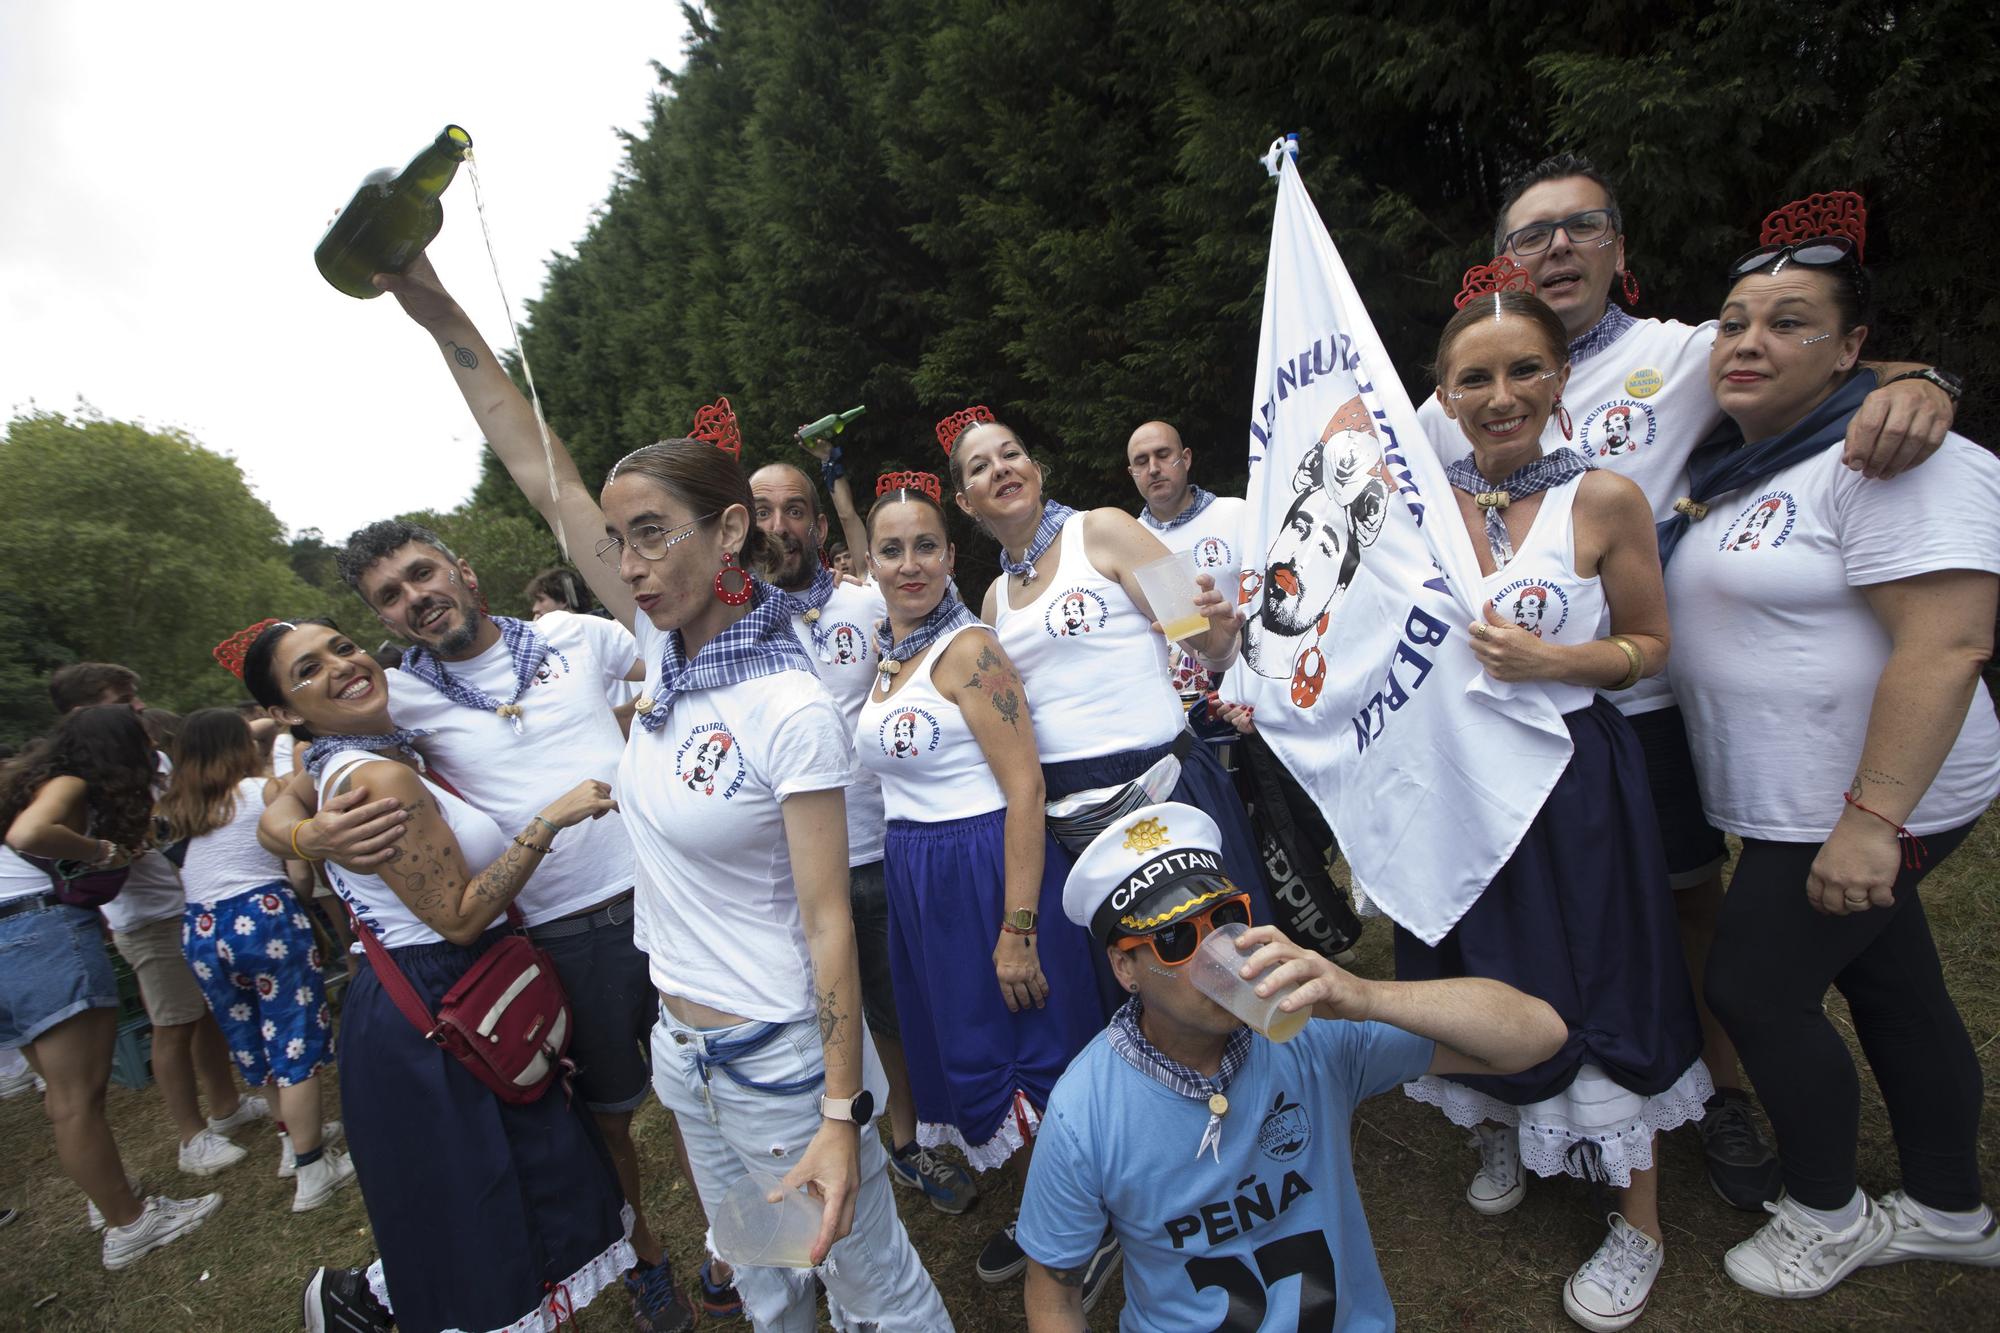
1540	591
480	842
1095	670
919	744
228	861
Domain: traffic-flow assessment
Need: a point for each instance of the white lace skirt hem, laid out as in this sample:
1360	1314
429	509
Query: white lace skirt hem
572	1294
1593	1109
1017	1127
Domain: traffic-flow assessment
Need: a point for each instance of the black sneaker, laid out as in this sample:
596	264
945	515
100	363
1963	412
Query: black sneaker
944	1183
1097	1273
656	1306
337	1300
1741	1165
1000	1259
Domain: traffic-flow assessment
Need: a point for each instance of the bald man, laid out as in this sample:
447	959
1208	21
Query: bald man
1186	518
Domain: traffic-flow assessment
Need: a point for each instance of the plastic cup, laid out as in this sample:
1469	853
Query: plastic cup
1170	590
1213	972
753	1233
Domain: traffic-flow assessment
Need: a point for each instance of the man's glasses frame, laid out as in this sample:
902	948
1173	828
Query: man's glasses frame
1184	936
1593	226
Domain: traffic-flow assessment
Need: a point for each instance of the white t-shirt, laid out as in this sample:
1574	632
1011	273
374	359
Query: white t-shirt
717	911
152	890
1638	407
1779	655
1215	537
18	879
229	860
282	747
846	659
567	734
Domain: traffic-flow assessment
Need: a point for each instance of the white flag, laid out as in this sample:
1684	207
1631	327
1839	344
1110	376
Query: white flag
1359	590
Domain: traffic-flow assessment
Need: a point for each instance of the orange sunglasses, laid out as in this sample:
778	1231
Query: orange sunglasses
1174	945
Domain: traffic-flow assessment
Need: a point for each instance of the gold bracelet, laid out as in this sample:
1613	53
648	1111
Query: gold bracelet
296	850
1632	656
529	846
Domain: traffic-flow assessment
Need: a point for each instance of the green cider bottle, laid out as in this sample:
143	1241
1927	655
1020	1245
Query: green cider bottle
391	218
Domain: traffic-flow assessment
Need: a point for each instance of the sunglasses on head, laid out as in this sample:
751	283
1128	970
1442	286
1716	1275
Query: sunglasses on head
1819	252
1175	944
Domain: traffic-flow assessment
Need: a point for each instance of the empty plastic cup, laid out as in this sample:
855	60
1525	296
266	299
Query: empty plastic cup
751	1232
1170	590
1213	972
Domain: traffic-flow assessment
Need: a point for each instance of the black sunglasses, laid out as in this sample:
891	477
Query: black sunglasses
1819	252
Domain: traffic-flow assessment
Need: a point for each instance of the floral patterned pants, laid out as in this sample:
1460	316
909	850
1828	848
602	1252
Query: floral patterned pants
257	963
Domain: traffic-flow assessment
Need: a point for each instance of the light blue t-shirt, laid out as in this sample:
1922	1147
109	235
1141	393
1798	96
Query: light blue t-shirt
1272	1237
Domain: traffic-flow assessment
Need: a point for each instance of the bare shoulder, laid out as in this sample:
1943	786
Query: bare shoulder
383	777
976	649
1602	493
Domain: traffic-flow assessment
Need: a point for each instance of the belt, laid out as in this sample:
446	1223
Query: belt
614	913
722	1054
34	902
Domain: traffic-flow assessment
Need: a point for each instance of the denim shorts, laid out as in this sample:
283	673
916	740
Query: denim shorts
53	966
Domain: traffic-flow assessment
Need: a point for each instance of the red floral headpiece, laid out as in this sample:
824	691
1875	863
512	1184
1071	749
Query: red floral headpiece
716	423
926	482
1836	213
1502	275
231	650
955	425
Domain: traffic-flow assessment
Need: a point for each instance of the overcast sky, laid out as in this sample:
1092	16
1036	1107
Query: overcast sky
168	170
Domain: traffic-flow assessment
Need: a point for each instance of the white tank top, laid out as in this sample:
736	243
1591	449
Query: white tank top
480	842
1539	589
919	744
18	879
229	860
1095	670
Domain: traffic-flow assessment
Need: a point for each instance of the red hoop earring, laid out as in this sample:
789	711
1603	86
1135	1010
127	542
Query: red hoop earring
1562	419
723	593
1631	287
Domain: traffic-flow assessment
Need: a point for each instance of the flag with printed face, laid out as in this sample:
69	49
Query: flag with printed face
1358	591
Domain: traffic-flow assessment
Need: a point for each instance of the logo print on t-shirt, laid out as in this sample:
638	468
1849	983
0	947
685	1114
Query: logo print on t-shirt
1211	553
908	733
1286	1131
553	668
1617	428
1537	607
846	645
1078	611
1759	525
708	760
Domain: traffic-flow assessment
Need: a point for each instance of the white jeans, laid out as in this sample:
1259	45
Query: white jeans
874	1279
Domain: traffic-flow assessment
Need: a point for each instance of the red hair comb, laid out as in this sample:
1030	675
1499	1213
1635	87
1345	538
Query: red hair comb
1502	275
956	424
1836	213
926	482
716	423
231	650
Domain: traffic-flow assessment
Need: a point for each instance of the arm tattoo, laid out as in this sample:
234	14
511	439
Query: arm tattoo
464	356
1867	777
996	676
831	1021
1068	1277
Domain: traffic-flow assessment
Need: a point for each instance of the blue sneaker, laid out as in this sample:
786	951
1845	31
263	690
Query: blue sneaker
718	1299
656	1306
944	1183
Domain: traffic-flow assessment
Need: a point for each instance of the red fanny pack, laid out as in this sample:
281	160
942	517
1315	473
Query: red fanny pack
506	1020
76	884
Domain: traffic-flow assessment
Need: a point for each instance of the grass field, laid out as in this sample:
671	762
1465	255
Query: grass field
1447	1267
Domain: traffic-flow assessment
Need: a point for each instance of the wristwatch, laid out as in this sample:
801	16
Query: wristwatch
858	1109
1021	919
1953	386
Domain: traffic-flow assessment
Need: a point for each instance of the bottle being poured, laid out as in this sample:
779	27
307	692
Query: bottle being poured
391	218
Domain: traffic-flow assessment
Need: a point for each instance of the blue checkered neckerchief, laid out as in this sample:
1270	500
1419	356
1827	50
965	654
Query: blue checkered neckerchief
1054	515
324	748
943	618
812	606
1202	500
1132	1047
760	644
1602	334
525	647
1551	469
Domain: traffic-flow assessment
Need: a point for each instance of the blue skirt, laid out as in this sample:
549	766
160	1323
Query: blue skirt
1581	916
968	1054
481	1210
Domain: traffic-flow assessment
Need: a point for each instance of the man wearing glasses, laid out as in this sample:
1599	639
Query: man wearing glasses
1218	1158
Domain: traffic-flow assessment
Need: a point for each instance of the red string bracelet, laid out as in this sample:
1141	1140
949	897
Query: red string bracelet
1914	850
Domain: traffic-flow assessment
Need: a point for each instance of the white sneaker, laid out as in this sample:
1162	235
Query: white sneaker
1911	1238
1792	1256
208	1152
16	1082
288	1164
1500	1184
248	1109
164	1221
95	1217
318	1180
1609	1291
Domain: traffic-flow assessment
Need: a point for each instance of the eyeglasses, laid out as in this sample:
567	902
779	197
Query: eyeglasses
1819	252
1527	379
1175	944
1599	225
649	540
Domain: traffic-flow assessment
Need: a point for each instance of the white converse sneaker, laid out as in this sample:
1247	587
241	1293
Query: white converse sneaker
318	1180
164	1221
208	1152
329	1134
96	1218
1910	1237
1609	1291
1500	1184
1792	1256
247	1109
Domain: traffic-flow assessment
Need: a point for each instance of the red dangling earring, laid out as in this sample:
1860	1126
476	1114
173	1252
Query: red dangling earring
723	592
1562	419
1631	287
